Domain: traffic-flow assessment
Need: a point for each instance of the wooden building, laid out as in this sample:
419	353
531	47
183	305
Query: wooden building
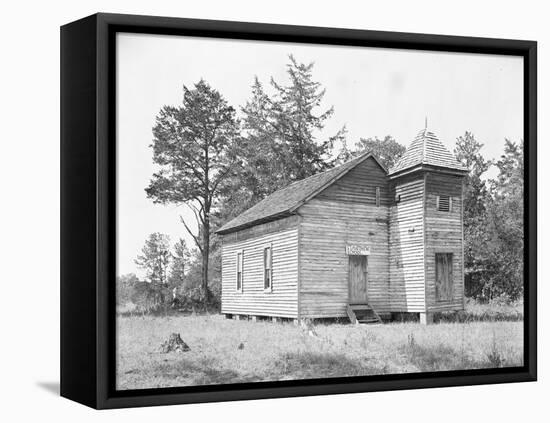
357	241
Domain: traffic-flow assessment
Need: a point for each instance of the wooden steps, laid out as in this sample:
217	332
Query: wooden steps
362	314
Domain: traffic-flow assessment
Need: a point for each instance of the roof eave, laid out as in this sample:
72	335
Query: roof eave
292	210
246	225
430	168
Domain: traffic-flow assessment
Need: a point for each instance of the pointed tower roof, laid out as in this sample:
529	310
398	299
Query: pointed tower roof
427	152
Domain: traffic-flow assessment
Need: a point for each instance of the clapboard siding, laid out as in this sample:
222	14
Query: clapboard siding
282	301
263	229
406	245
310	265
344	213
444	235
359	186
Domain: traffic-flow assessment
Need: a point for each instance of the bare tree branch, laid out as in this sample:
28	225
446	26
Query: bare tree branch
195	237
198	213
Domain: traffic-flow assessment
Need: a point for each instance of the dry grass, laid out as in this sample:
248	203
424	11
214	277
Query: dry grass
281	351
490	312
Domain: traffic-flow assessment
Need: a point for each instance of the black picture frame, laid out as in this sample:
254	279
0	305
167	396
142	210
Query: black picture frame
88	209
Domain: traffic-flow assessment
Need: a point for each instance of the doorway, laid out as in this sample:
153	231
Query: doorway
358	279
443	276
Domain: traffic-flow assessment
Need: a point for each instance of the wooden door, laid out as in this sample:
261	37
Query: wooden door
443	276
357	279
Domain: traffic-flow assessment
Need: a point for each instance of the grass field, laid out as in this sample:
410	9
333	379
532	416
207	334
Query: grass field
231	351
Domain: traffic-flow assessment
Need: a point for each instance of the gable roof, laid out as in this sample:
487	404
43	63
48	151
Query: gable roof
426	149
286	200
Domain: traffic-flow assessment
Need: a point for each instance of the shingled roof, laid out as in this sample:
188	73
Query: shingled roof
286	200
427	150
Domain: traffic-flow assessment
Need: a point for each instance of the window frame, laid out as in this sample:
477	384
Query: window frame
437	203
237	263
265	248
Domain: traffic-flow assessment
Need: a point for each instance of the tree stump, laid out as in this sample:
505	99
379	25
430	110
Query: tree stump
174	343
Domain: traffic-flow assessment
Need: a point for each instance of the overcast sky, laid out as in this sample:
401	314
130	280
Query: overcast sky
375	92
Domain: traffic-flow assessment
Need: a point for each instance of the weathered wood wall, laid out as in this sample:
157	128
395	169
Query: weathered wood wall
344	213
406	245
444	234
310	264
282	301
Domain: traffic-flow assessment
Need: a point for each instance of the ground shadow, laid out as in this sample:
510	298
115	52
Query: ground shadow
186	372
51	387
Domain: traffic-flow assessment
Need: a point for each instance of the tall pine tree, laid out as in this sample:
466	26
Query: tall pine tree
299	120
193	146
283	139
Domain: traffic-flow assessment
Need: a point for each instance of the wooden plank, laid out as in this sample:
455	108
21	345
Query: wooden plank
351	314
262	229
424	208
444	234
282	300
357	281
314	273
345	213
298	281
462	243
407	272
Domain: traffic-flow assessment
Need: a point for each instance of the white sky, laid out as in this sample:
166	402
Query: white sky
375	92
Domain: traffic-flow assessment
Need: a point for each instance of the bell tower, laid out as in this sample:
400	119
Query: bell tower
426	235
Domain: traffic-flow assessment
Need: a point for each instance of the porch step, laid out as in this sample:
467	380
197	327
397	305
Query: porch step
362	314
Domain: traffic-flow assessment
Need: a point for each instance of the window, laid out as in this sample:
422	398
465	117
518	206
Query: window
444	203
268	271
239	285
377	196
443	276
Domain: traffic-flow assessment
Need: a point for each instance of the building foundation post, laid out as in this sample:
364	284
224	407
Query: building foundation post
426	318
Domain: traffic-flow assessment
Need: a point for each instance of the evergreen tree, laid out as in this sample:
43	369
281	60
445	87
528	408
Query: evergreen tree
493	221
388	151
124	288
295	109
193	145
282	139
506	211
181	260
155	258
475	200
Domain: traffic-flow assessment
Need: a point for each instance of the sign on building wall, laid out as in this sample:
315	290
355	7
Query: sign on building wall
357	250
